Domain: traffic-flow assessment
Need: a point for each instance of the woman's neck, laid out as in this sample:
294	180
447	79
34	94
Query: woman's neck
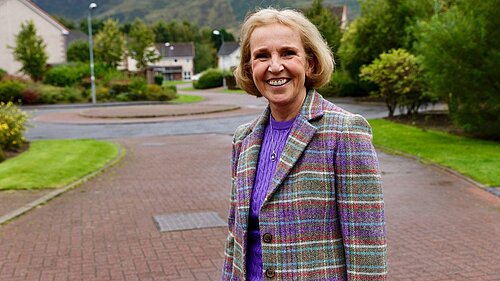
284	113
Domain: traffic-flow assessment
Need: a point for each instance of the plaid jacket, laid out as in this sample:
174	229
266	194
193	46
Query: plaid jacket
323	216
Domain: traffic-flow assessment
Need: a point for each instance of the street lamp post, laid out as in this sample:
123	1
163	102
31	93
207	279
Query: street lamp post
91	51
218	33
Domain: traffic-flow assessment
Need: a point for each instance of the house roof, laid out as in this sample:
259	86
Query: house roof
175	49
228	48
76	35
44	15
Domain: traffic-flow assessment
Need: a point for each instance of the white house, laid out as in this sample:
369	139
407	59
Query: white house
229	55
15	12
177	61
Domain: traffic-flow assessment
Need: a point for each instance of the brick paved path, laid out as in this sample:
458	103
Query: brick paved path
439	227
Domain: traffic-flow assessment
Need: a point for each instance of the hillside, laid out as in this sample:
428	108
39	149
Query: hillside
212	13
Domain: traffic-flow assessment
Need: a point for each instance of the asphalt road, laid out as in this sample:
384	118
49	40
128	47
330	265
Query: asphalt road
203	125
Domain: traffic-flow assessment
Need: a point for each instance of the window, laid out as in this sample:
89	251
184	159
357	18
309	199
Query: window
187	75
187	60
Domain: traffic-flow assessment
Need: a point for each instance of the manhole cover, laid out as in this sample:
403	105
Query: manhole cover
187	221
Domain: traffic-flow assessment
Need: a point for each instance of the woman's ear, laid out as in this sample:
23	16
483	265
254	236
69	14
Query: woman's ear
310	67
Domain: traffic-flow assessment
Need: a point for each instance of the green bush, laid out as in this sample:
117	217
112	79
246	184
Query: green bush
138	88
3	73
210	78
341	85
78	51
117	87
13	123
397	75
157	93
11	90
66	75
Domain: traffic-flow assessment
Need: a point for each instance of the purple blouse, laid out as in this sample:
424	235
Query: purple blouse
274	141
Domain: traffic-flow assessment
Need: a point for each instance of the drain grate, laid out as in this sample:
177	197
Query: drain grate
183	221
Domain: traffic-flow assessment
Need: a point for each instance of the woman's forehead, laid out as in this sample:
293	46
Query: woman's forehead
274	34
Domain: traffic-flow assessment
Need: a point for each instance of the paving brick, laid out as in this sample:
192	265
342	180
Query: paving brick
439	227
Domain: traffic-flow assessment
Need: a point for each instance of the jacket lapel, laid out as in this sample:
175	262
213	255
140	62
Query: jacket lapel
247	164
301	134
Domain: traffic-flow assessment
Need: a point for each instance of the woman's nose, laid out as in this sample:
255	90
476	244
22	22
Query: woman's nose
275	65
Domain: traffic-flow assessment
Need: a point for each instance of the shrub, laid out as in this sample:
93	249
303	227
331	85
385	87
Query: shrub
117	87
210	78
78	51
66	75
71	94
397	75
158	80
13	123
102	93
11	90
30	96
157	93
50	94
341	85
138	88
3	73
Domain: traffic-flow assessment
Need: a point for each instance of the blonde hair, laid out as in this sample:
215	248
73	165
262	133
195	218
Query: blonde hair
320	56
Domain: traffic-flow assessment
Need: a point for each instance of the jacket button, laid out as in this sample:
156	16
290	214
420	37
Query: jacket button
270	273
267	238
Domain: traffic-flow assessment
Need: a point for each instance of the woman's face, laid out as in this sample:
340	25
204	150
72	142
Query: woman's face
279	64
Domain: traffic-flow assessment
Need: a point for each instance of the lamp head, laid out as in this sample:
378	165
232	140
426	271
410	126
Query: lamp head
216	32
92	6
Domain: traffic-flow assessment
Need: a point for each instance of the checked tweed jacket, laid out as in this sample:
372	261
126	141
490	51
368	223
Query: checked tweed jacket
323	216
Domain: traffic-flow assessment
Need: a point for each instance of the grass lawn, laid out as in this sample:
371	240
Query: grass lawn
175	82
55	163
477	159
187	99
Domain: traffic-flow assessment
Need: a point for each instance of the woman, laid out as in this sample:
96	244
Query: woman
306	201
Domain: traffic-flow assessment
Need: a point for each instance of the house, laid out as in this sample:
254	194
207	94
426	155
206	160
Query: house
15	12
177	61
229	55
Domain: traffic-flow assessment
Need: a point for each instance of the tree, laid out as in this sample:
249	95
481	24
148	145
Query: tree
30	51
326	22
396	73
384	25
205	52
78	51
460	51
97	25
109	44
141	44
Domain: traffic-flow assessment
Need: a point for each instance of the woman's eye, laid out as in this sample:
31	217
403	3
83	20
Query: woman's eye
261	56
289	53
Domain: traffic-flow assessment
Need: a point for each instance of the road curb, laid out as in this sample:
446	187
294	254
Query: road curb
51	195
493	190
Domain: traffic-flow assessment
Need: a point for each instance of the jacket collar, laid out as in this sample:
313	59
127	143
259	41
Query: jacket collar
301	134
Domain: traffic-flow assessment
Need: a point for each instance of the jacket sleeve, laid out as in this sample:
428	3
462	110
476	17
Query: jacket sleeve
360	202
227	268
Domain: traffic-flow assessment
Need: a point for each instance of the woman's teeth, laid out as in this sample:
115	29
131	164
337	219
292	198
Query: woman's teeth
277	82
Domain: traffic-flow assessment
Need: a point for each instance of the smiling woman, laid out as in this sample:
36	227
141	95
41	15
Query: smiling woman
306	198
